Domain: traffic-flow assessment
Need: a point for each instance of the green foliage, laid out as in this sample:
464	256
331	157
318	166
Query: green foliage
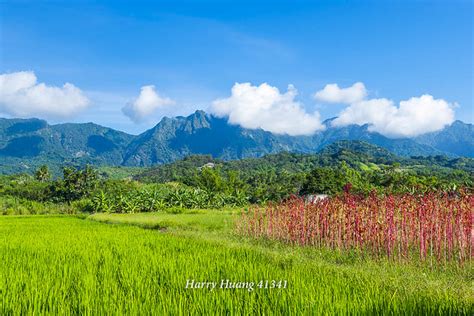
25	187
209	180
166	197
10	205
273	185
42	174
75	184
385	179
275	177
324	180
202	182
119	173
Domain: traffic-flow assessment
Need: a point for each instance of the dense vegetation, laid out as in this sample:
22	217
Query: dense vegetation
204	182
368	168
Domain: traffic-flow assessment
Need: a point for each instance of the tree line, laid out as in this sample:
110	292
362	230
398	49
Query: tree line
195	183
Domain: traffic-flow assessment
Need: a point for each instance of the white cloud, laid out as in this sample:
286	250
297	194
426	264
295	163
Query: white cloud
140	109
333	94
413	117
266	108
374	112
22	96
419	115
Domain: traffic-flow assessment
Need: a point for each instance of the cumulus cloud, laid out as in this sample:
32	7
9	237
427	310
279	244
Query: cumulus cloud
266	108
374	112
413	117
140	109
333	94
22	96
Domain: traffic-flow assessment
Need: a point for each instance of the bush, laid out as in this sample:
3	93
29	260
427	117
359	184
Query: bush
10	205
82	206
26	187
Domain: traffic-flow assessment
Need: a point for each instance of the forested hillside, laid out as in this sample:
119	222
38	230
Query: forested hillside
27	144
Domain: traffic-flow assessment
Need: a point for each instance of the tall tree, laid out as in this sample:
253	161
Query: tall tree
43	174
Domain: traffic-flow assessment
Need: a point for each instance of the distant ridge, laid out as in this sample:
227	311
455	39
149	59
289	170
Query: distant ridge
28	143
457	139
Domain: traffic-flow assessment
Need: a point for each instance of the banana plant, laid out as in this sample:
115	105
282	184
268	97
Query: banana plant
101	203
131	205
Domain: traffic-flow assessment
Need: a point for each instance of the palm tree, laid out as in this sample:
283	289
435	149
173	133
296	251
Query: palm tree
42	174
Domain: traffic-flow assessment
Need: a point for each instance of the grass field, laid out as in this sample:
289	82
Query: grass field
112	264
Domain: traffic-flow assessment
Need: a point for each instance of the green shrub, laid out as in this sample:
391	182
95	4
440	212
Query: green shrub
82	206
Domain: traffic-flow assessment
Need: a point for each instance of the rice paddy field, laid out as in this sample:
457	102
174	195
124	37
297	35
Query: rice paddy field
144	264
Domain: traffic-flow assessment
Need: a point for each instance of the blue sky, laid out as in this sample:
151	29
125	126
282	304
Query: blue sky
193	53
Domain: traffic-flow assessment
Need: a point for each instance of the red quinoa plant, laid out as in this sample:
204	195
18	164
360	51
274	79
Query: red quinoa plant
434	225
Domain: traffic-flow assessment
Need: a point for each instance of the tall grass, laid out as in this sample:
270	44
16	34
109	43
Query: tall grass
12	205
434	226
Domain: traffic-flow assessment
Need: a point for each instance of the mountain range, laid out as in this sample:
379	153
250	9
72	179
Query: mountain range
28	143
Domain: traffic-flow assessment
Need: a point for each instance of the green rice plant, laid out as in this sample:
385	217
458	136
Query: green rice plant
65	265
